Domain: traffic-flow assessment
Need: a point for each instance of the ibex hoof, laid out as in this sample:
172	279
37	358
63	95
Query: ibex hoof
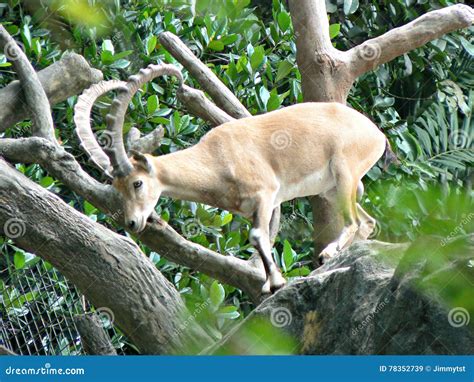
329	252
274	282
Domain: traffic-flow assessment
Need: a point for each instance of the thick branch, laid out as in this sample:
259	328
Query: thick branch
147	143
32	90
221	95
311	25
398	41
198	104
65	78
94	339
108	268
158	235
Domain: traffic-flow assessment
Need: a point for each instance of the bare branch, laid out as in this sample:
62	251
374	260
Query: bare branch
198	104
63	79
221	95
33	92
148	143
398	41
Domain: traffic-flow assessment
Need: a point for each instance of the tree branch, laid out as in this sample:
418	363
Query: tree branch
147	143
198	104
33	92
94	339
221	95
398	41
63	79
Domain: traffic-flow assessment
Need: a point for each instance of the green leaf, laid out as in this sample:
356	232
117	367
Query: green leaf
151	45
274	102
284	21
19	259
217	293
284	67
334	30
152	104
257	57
120	64
46	181
216	45
288	254
264	95
467	45
89	209
227	219
229	39
350	6
108	46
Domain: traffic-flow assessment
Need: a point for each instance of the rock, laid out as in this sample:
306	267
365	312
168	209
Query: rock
373	298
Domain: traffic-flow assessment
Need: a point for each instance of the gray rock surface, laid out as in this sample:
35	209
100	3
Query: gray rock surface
374	298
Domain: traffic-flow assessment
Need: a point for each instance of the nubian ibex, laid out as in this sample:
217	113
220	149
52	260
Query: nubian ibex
247	166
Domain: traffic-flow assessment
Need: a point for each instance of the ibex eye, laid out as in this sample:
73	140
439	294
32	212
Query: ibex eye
137	184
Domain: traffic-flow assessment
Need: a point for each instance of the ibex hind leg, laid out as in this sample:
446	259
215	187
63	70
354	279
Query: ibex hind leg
264	218
366	222
344	199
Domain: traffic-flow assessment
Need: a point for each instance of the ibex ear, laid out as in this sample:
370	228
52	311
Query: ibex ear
142	161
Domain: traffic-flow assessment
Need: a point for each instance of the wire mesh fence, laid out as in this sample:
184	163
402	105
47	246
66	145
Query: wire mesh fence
37	310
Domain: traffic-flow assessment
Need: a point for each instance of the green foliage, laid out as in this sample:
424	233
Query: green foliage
423	101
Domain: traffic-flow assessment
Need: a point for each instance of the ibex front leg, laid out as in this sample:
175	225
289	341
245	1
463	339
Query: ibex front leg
260	239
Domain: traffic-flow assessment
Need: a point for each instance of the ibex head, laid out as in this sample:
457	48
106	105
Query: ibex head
140	191
133	175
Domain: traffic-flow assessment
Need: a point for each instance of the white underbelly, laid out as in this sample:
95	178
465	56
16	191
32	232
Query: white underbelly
313	184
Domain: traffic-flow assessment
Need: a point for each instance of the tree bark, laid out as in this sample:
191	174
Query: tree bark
109	269
94	339
65	78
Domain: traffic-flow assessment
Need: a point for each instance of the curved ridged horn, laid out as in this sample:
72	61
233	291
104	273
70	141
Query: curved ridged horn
115	119
82	112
